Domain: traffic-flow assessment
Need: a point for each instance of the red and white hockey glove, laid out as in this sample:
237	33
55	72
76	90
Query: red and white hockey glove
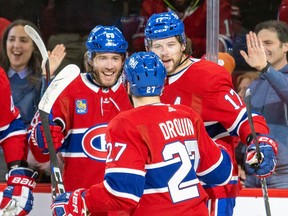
70	203
18	197
268	150
38	138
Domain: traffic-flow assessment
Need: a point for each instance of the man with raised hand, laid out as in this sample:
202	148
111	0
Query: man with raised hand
267	52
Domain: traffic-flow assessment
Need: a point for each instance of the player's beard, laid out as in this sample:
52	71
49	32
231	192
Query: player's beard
176	67
100	81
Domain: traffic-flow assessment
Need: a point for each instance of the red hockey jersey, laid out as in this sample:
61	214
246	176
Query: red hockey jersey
13	134
158	154
207	88
85	110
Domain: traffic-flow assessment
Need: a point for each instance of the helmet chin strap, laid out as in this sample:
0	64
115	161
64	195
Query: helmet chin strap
187	57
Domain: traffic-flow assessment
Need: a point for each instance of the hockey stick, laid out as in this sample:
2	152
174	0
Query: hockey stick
33	34
56	87
247	100
41	46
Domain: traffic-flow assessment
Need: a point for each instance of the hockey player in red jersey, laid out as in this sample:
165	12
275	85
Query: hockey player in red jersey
158	154
17	197
82	111
207	87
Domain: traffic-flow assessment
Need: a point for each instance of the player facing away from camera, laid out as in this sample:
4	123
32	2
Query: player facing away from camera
158	154
207	87
82	111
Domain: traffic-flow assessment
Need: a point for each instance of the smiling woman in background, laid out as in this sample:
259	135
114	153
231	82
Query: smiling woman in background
21	60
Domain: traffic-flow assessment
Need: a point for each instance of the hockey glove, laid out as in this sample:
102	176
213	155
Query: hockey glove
38	138
18	197
268	150
71	203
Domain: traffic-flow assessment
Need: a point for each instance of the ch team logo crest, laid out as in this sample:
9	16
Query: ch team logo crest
94	143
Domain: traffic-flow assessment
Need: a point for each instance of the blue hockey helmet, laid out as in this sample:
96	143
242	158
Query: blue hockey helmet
106	39
164	25
145	73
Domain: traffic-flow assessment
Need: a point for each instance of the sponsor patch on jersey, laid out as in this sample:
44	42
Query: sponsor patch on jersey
81	106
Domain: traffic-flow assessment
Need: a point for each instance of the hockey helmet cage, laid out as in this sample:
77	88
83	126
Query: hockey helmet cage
106	39
164	25
145	74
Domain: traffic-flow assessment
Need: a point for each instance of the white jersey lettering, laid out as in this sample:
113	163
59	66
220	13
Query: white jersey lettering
177	127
